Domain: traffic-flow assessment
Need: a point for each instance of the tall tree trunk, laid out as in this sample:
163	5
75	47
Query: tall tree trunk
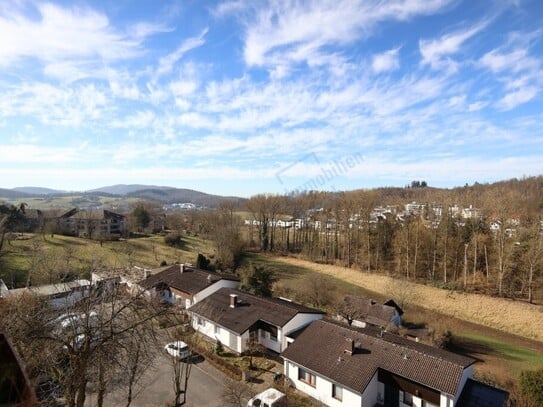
486	265
465	265
445	257
475	244
415	257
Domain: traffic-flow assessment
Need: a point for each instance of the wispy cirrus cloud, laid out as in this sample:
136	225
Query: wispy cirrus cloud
437	52
520	72
166	63
247	87
292	32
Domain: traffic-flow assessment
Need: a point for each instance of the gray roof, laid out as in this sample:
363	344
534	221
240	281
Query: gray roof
52	289
250	310
477	394
321	349
370	310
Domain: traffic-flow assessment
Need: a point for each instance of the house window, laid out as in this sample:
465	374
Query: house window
407	398
306	377
263	334
273	337
217	330
201	322
337	392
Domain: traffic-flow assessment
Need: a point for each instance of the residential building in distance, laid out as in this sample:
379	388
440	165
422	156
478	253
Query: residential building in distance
236	318
92	225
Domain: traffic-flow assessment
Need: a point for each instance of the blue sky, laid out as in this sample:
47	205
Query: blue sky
244	97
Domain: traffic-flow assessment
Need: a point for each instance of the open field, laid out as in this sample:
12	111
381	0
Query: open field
48	256
514	317
66	202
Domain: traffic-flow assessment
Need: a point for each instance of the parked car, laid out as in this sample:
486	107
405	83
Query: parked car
74	321
178	349
268	398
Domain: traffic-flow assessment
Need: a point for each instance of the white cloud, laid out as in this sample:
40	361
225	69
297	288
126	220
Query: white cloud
517	97
515	61
435	52
520	73
386	61
289	28
137	120
166	64
55	105
34	154
65	33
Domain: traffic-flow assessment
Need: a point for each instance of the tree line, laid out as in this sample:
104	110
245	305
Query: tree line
498	251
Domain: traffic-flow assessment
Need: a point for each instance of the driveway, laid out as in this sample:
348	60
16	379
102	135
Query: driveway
204	389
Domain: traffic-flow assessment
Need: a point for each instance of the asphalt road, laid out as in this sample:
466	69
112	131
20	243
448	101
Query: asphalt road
204	389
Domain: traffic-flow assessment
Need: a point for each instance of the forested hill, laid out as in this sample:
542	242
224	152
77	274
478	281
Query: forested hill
127	193
522	197
173	195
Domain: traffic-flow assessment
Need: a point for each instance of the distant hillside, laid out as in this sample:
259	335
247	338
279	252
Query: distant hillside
124	189
176	195
12	194
38	190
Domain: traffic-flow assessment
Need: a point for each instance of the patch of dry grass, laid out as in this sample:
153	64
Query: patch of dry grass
514	317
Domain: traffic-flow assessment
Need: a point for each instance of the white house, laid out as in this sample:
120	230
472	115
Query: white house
235	318
59	296
341	366
186	285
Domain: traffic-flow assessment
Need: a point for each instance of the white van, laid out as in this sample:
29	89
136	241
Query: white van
268	398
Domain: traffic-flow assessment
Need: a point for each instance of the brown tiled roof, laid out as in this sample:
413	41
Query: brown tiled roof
249	310
371	311
191	280
321	349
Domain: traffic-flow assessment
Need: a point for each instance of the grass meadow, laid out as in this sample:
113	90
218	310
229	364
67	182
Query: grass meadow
46	257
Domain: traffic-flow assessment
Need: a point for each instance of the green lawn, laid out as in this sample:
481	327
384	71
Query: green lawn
518	357
47	257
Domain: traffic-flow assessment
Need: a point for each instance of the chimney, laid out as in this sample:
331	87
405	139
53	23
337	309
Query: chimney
349	346
233	300
181	267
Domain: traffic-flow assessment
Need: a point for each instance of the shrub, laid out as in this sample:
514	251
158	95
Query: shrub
219	349
202	262
446	340
531	385
173	239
